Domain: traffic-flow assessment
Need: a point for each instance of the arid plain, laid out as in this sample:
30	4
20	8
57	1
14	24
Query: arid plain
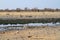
39	33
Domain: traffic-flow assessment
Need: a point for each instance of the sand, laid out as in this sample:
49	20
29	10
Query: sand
41	33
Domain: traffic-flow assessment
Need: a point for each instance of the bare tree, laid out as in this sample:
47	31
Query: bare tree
57	9
1	10
18	9
35	9
27	9
7	9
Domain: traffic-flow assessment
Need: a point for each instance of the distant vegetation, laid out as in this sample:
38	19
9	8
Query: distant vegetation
29	10
24	21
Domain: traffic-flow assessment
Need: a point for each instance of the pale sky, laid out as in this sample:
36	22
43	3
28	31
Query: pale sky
12	4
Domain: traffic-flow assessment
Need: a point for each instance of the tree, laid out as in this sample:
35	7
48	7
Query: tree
1	10
27	9
35	9
7	9
18	9
57	9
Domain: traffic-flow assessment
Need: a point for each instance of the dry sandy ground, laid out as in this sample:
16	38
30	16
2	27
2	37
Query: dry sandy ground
42	33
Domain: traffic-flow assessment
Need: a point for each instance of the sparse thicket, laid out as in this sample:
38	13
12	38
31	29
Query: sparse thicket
29	10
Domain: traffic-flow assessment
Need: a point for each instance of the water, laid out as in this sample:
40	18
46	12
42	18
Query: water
20	26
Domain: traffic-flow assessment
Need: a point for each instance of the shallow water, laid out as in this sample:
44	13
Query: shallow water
20	26
30	24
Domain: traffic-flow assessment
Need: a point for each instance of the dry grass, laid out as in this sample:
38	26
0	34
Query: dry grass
33	14
46	33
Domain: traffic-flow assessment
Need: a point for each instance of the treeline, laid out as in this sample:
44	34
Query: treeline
25	21
29	10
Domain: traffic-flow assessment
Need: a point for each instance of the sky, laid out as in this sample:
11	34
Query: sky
12	4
